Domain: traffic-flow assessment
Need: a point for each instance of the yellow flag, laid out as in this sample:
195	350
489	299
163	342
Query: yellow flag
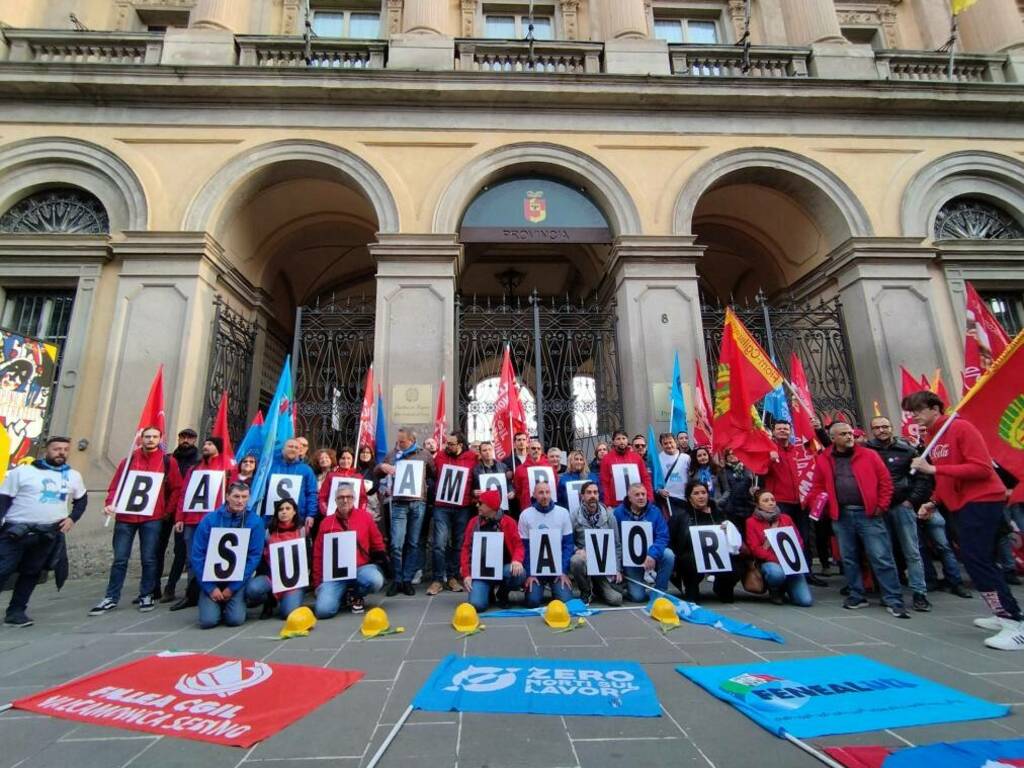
959	6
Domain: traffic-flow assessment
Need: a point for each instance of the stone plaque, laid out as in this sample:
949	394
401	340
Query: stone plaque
412	404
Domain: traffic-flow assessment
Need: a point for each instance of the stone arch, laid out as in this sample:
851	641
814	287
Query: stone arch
551	159
211	198
988	175
35	164
817	188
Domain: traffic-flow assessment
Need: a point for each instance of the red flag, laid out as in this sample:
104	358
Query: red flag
802	407
939	388
367	433
259	417
925	384
702	432
509	415
220	429
908	386
984	341
439	417
153	411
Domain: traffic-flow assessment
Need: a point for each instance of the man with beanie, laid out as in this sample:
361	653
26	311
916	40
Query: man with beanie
490	518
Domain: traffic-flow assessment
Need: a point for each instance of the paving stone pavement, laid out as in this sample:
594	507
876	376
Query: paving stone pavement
694	728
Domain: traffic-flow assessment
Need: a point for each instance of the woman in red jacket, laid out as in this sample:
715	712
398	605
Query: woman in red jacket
767	515
283	527
346	468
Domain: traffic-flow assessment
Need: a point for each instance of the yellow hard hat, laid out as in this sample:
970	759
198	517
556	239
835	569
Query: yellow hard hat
557	615
375	624
665	612
298	623
465	618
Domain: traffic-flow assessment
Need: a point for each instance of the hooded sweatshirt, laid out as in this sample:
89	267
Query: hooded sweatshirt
963	467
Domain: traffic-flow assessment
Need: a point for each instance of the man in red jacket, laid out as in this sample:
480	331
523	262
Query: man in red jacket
622	454
859	490
453	499
150	492
520	481
491	519
968	486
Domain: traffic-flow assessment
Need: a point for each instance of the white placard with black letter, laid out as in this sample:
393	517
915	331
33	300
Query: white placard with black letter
496	482
226	553
204	490
451	484
282	486
600	546
289	565
340	556
540	474
486	557
710	549
637	537
786	545
355	483
139	493
624	475
545	553
409	480
572	494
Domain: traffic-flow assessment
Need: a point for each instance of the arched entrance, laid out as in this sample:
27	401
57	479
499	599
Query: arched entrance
535	250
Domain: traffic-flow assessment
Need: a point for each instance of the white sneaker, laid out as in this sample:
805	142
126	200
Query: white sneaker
418	577
1011	638
992	623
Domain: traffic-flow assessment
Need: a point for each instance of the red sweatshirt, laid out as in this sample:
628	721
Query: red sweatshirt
612	458
170	488
466	459
513	543
193	518
368	540
757	540
782	477
521	483
873	480
323	497
963	467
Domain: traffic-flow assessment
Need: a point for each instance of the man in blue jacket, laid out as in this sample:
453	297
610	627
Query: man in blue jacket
221	600
660	559
290	462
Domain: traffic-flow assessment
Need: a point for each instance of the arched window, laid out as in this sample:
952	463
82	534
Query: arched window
65	210
481	408
970	218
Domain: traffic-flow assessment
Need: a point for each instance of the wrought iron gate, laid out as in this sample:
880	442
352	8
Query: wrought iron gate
333	350
579	371
814	331
230	369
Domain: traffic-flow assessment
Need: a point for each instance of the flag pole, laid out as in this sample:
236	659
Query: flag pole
511	437
952	47
811	750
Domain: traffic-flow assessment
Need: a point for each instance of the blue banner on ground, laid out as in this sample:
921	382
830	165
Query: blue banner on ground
694	614
576	607
839	694
960	754
539	687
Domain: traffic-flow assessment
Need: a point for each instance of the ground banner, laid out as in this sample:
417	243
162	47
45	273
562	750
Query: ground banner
539	687
839	694
960	754
858	756
695	614
233	702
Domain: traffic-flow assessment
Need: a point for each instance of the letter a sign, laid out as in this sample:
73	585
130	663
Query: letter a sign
408	481
139	493
226	554
204	491
545	553
289	567
487	560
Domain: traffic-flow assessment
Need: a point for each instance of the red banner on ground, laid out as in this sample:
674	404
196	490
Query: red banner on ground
233	702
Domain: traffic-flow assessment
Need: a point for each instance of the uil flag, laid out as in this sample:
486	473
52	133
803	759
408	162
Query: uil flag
439	416
702	411
382	428
278	429
908	386
985	339
252	443
367	434
678	423
220	429
509	416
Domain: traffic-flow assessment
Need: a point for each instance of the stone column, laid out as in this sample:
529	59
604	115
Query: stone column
425	43
993	26
414	341
625	18
654	283
231	15
628	47
428	17
811	21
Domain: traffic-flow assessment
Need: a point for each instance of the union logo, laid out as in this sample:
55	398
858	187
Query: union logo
722	390
483	679
225	679
1011	423
535	207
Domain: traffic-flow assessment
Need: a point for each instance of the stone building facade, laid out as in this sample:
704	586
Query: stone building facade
165	164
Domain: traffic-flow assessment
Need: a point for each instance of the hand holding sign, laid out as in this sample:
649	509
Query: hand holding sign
226	555
487	562
710	548
786	545
289	565
637	537
139	493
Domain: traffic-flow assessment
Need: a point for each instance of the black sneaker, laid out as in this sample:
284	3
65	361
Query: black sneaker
1013	579
898	611
137	600
357	605
18	620
775	596
146	604
393	588
408	589
103	606
853	603
844	591
921	604
961	591
816	581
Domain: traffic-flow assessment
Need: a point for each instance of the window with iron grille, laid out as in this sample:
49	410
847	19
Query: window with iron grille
1008	308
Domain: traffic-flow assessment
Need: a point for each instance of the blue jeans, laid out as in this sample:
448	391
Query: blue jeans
124	537
854	528
663	570
481	590
406	528
232	613
794	586
330	594
447	544
902	521
535	594
934	529
259	589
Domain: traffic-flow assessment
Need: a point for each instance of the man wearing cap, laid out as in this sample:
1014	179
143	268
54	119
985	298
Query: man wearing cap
187	454
33	516
490	518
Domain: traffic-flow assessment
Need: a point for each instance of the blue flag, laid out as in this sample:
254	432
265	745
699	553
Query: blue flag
694	614
252	443
776	404
381	437
678	423
576	607
959	754
277	429
657	473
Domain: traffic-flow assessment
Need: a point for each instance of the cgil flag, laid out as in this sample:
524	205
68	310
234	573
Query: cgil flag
702	432
984	339
366	431
382	428
152	416
802	407
278	429
509	415
439	417
220	429
678	402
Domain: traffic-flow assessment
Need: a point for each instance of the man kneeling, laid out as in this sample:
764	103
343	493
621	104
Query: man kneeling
491	519
369	543
221	600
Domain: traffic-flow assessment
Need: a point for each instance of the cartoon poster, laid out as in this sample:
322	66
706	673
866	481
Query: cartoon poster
27	368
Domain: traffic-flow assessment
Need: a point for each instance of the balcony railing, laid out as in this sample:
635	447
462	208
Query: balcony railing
930	65
553	57
287	52
74	47
727	61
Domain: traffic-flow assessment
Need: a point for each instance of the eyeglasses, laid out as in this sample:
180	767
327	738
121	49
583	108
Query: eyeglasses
639	445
